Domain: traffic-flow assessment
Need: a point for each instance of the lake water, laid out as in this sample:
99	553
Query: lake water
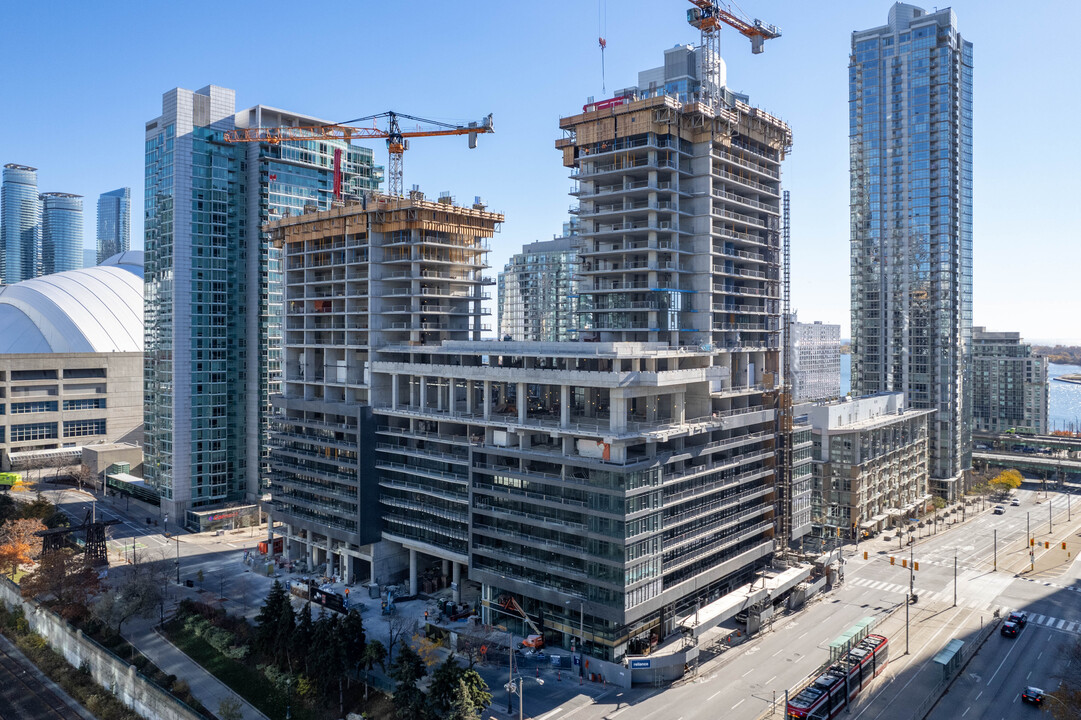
1064	411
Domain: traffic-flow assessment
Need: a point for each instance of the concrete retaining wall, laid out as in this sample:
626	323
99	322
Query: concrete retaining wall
124	681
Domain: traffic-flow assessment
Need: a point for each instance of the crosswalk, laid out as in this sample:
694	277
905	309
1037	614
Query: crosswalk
974	604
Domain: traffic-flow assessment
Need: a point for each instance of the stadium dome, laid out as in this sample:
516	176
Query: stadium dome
93	310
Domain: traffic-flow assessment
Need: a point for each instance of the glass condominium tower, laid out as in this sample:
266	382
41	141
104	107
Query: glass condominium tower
213	287
61	232
910	115
114	223
20	224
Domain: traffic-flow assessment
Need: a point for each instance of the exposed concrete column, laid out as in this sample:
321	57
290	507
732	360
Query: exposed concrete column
394	392
423	392
439	396
487	399
330	558
412	393
651	407
347	573
446	567
456	579
287	544
412	572
470	401
522	404
679	410
618	413
311	553
564	405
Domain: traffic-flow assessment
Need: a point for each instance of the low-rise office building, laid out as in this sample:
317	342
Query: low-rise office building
870	464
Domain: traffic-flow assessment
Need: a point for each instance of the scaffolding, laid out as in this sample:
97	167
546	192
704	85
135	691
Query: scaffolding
785	400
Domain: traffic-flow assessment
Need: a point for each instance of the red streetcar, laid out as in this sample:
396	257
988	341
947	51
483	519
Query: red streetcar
826	696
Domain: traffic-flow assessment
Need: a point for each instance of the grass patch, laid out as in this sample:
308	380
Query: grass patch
244	679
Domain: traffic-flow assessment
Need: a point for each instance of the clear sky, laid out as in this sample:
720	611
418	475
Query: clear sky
78	81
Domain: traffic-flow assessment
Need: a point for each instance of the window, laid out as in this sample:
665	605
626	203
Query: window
81	428
18	375
84	373
33	407
33	431
87	404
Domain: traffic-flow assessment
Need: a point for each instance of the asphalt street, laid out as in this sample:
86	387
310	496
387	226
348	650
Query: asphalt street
743	682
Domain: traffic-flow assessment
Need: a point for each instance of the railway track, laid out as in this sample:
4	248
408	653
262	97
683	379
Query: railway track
23	696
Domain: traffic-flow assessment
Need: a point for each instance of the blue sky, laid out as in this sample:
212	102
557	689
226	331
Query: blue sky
79	80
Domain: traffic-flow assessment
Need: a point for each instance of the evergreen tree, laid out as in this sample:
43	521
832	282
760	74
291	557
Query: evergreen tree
302	638
407	669
283	639
443	687
478	689
266	622
462	706
352	634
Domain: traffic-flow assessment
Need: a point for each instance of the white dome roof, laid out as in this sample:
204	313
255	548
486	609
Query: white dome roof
95	309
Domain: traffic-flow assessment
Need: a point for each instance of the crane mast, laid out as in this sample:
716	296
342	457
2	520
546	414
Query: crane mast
707	16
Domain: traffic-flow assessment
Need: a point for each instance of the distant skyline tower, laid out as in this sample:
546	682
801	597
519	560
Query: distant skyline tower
114	223
20	224
61	232
213	288
910	114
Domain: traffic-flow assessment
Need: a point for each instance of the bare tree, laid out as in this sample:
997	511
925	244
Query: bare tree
138	593
83	477
398	627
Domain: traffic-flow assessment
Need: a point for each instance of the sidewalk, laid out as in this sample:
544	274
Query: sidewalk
206	688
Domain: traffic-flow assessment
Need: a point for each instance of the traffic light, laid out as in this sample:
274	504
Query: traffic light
892	561
916	565
1063	546
1046	545
865	552
904	563
1032	542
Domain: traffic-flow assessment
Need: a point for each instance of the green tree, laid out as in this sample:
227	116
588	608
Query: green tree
283	640
303	636
266	622
444	685
462	706
374	654
352	633
478	689
407	670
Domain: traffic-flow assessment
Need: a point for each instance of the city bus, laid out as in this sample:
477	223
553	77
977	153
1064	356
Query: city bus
826	696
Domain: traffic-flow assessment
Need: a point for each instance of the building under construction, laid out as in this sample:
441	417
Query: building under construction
607	485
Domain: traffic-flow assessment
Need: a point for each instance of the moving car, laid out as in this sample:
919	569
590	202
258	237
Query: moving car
1021	618
1010	629
1033	695
999	510
1015	502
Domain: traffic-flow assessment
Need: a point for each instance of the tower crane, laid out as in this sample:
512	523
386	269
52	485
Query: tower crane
397	139
707	16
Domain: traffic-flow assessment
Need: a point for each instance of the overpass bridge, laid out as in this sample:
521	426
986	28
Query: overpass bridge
1047	466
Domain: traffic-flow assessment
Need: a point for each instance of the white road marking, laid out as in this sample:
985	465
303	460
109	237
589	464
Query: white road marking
550	714
1006	657
801	636
1060	624
777	653
711	696
966	711
739	703
978	696
771	680
747	673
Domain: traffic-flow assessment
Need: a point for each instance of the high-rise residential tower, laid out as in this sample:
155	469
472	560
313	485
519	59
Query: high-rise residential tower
1009	384
538	292
213	287
20	224
816	361
607	486
910	115
114	223
61	232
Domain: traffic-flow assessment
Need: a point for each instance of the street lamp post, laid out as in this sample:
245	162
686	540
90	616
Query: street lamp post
516	689
177	559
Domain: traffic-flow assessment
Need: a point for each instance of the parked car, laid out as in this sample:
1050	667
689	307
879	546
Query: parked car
1021	618
1010	629
1033	695
999	510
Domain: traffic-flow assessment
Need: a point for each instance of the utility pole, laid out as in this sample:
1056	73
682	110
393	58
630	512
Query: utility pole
996	550
1050	517
510	669
908	601
177	559
955	578
581	641
911	570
